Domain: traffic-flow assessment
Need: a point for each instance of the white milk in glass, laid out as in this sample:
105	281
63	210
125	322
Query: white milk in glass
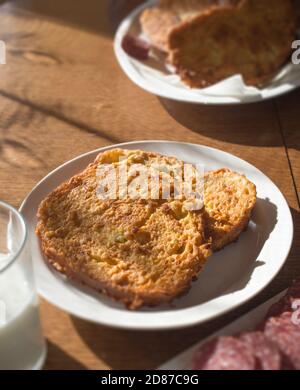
21	342
22	345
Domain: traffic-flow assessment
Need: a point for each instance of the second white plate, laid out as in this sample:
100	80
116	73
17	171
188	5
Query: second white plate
154	77
231	277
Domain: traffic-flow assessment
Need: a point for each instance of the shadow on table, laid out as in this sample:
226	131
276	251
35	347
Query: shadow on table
61	360
86	14
100	16
125	350
291	269
245	128
209	120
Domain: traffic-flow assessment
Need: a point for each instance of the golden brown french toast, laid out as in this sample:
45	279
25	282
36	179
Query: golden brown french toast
229	199
140	252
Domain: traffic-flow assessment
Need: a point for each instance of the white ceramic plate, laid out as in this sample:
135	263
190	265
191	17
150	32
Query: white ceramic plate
247	323
231	276
153	76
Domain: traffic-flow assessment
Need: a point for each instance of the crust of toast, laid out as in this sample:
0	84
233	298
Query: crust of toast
250	38
139	252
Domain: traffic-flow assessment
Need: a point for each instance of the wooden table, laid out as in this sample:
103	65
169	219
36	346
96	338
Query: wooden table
62	93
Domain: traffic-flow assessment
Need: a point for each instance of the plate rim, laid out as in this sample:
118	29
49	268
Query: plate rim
127	69
186	323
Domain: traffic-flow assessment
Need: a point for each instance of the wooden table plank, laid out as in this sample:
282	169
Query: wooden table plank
62	93
288	110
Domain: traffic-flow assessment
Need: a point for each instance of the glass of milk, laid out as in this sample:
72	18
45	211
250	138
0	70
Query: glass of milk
22	346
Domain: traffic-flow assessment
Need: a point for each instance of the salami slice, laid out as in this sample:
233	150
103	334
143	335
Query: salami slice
266	353
283	332
224	353
136	47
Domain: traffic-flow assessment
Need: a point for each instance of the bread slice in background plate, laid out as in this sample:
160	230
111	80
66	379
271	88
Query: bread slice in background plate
158	21
252	38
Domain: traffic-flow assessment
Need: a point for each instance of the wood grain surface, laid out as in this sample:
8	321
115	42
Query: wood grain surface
62	93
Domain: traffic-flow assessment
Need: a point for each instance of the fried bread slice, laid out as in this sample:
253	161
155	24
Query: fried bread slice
158	21
229	199
252	39
140	252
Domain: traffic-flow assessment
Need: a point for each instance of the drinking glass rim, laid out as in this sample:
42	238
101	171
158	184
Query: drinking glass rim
24	228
